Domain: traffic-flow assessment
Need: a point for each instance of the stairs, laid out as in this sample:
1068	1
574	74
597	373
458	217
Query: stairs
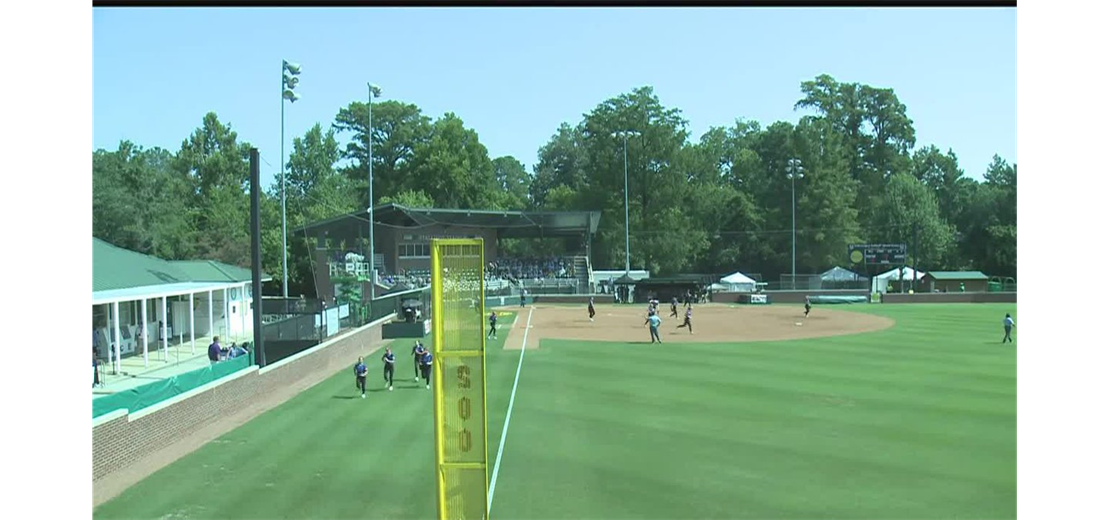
582	273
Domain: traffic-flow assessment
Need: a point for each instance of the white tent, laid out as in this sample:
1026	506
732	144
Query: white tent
840	274
879	282
907	273
738	282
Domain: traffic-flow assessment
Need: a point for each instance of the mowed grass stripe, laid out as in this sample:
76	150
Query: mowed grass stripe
638	396
742	373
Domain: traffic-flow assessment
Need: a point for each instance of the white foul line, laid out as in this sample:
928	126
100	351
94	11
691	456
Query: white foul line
508	415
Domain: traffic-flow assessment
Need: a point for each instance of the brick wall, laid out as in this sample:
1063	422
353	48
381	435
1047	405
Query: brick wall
121	440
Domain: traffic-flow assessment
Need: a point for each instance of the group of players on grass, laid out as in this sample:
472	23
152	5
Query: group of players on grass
421	366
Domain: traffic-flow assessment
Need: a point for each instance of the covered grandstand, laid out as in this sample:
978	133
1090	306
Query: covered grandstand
402	240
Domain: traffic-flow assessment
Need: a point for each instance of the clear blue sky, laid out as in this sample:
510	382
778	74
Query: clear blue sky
515	74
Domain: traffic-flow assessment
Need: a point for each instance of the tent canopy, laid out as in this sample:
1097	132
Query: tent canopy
900	273
737	278
625	280
840	274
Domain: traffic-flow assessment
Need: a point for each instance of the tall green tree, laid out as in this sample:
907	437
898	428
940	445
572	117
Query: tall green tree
454	168
315	190
562	162
214	164
827	215
875	130
409	198
399	128
513	179
989	227
656	182
139	203
907	207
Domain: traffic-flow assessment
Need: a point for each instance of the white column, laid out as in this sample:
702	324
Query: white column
243	310
227	316
165	333
115	327
211	325
144	336
192	327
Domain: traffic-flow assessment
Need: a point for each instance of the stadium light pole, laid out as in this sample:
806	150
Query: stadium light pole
289	80
372	91
625	134
793	171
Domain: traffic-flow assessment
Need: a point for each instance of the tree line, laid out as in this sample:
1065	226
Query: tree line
712	205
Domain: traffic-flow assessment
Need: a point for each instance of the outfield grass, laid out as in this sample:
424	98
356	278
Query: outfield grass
916	421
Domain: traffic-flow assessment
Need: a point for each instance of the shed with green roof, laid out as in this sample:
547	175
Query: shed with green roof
955	281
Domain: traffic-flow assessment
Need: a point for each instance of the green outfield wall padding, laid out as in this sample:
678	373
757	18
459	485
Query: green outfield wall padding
150	394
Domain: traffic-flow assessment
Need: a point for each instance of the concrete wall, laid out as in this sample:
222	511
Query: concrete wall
980	297
121	440
799	297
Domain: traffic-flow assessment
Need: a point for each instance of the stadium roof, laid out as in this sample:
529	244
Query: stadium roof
509	224
958	275
119	273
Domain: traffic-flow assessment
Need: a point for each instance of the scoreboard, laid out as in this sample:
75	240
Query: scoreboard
877	254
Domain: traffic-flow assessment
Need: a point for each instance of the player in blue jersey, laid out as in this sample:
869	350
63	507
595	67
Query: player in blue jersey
426	368
492	325
387	369
360	376
653	323
1008	325
417	353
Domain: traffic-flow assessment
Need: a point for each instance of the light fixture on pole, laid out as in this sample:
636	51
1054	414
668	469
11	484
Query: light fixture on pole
793	171
372	91
625	134
289	80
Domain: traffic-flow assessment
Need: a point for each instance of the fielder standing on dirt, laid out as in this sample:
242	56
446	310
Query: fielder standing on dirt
591	308
807	306
687	323
654	321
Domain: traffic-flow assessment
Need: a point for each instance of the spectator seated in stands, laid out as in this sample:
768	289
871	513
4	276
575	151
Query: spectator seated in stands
236	351
531	268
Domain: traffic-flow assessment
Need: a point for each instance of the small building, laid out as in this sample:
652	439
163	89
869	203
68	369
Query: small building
955	281
141	303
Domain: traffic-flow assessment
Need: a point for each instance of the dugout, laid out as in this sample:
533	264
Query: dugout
402	239
664	289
